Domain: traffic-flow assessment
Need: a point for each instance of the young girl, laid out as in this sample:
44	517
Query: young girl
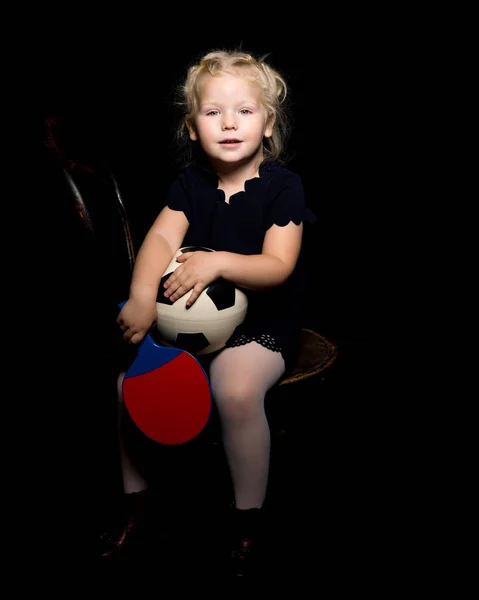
236	198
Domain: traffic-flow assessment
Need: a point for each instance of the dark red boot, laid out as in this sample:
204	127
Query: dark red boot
246	536
128	531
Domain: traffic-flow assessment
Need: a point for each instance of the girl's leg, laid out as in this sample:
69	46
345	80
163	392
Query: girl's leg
240	378
133	481
131	511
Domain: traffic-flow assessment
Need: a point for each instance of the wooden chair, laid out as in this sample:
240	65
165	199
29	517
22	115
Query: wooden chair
316	354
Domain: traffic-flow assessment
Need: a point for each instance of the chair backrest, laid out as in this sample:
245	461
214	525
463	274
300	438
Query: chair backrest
92	255
96	216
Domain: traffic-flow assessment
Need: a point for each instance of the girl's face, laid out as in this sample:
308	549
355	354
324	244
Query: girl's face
231	120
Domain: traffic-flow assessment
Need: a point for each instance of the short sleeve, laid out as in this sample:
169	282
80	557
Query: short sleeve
177	198
289	203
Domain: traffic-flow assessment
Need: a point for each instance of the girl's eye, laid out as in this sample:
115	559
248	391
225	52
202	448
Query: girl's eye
245	111
212	112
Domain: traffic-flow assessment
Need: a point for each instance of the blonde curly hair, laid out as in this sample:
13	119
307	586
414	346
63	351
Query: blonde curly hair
270	81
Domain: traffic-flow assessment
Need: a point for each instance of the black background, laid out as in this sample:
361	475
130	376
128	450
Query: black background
117	83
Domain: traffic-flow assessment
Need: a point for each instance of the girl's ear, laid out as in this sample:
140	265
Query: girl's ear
191	129
268	130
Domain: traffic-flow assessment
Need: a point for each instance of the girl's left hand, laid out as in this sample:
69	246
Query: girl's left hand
198	270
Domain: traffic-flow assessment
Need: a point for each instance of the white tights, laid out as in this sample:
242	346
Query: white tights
239	379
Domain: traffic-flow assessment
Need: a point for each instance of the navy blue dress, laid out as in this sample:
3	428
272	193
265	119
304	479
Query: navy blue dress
275	197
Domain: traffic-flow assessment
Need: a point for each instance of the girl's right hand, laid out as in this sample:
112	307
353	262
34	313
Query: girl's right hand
136	318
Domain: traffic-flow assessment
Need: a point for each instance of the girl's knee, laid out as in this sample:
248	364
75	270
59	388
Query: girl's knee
239	403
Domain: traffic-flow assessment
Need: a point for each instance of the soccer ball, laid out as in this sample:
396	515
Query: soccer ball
211	319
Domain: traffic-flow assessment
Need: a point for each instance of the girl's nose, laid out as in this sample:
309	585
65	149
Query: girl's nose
229	123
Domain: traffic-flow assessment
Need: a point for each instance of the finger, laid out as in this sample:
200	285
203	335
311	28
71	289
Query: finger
137	337
168	286
172	279
134	336
128	332
180	291
194	294
176	285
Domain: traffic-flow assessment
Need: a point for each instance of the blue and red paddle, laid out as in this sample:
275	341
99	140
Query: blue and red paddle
167	393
